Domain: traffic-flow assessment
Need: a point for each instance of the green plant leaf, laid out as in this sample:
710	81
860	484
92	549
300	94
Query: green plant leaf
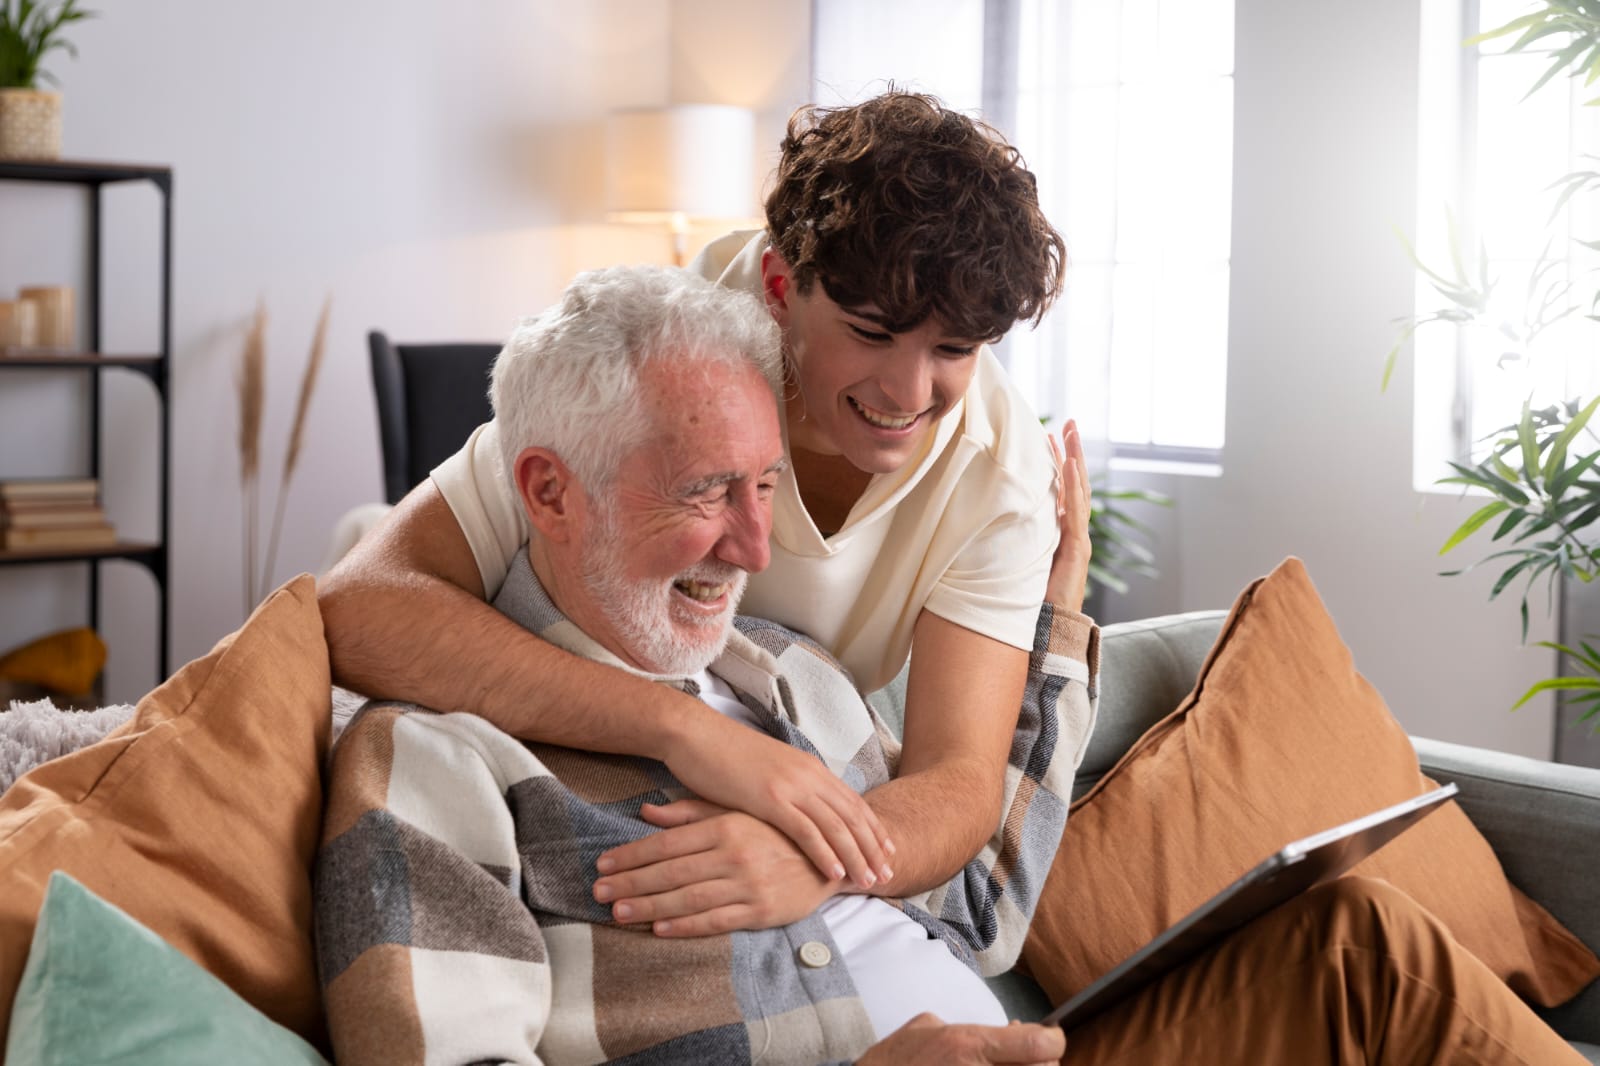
1101	576
28	32
1502	486
1573	428
1473	524
1510	575
1116	550
1570	185
1570	476
1511	521
1530	445
1520	23
1557	64
1557	684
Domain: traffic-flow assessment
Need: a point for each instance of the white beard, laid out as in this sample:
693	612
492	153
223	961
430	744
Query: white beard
659	632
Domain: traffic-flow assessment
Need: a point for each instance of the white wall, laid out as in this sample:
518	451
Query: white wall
436	167
1318	461
439	175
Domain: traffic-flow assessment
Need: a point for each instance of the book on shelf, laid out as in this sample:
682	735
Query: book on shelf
56	489
49	516
102	535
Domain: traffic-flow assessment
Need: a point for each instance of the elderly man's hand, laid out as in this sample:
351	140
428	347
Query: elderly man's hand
746	770
926	1039
710	871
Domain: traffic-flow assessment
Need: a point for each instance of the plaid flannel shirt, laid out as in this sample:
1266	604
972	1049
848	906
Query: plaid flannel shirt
454	915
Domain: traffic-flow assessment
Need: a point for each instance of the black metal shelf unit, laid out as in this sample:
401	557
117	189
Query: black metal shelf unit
154	557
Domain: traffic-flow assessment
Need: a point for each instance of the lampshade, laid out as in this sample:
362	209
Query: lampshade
675	163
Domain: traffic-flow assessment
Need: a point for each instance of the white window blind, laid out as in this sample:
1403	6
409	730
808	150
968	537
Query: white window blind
1489	153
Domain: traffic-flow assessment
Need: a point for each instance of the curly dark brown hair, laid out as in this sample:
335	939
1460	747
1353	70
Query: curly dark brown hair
921	211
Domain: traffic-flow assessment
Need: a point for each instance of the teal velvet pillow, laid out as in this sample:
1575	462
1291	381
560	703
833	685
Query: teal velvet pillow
101	988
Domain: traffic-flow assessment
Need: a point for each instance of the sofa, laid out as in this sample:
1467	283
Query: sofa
252	719
1542	819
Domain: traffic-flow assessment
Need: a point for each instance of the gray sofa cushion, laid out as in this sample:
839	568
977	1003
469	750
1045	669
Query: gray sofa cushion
1543	821
1146	669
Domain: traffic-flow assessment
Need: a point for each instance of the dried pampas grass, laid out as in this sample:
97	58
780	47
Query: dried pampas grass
252	387
252	405
308	384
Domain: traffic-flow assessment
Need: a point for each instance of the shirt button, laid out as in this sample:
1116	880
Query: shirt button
815	954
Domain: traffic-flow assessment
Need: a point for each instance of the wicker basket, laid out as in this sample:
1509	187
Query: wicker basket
30	124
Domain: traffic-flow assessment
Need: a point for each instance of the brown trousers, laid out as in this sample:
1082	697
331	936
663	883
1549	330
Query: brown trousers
1352	972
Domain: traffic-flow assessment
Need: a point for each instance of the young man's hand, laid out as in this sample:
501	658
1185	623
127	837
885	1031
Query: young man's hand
710	870
742	769
926	1039
1069	570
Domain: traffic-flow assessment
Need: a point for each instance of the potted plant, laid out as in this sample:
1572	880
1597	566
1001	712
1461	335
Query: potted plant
1541	474
30	117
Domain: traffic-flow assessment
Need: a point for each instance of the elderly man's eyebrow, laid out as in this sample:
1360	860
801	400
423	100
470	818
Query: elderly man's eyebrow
704	485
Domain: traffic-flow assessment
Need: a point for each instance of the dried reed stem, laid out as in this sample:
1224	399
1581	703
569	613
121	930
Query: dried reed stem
308	384
251	381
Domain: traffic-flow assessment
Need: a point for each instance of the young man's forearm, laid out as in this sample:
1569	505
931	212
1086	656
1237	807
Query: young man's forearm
425	641
939	818
396	631
963	697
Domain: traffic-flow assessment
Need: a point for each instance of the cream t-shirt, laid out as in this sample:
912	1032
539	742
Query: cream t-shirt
965	530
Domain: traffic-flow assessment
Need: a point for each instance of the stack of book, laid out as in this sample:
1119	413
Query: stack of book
42	514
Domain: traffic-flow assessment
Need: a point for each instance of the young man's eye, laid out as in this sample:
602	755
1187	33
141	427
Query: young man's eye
877	336
957	351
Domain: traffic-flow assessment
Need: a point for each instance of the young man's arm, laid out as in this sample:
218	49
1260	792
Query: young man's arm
406	619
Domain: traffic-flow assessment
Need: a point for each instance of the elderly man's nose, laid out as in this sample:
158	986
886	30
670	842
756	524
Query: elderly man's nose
745	542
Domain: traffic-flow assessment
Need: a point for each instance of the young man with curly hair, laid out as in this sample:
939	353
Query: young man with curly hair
919	510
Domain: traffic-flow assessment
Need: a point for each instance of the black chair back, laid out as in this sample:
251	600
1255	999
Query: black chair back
430	399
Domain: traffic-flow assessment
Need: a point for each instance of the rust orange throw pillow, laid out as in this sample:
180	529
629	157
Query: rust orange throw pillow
198	817
1280	738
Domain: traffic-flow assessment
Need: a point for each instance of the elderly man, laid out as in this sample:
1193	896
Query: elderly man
456	917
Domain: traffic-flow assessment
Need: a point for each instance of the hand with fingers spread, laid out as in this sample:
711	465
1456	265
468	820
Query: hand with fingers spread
710	870
793	792
926	1039
1069	570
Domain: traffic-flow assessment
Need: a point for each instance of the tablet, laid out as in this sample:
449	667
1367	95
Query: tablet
1293	869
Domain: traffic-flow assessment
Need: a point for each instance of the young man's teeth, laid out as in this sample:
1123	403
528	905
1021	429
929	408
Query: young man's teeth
700	590
882	421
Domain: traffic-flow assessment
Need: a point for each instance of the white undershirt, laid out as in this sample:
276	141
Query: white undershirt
899	970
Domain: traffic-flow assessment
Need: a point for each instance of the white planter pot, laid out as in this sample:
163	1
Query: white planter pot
30	124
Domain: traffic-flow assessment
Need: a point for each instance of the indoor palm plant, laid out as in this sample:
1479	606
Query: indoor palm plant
1539	474
1117	540
30	117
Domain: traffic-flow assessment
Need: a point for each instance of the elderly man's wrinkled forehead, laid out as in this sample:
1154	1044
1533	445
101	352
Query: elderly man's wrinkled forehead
699	416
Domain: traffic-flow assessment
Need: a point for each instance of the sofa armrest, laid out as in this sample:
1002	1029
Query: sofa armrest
1543	821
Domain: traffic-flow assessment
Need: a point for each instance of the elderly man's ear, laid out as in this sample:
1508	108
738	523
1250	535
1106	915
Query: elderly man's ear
551	496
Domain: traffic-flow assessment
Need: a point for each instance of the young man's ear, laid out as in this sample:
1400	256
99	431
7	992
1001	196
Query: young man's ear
550	495
777	285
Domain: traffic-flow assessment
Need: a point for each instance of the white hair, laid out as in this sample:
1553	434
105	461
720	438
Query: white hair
568	379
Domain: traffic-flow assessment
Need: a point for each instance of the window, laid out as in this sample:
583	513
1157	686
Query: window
1489	153
1124	111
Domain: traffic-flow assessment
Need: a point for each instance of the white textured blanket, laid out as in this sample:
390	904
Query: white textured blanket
32	733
